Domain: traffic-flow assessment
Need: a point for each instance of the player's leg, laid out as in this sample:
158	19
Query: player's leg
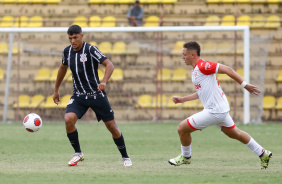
195	122
70	120
235	133
119	141
113	128
103	111
74	110
198	121
184	132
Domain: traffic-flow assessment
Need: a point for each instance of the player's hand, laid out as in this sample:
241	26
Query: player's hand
56	98
101	86
176	99
254	90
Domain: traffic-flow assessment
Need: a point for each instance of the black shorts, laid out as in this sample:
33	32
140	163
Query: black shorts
99	104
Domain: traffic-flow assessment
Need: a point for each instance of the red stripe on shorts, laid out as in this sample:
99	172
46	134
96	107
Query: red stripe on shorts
229	127
191	125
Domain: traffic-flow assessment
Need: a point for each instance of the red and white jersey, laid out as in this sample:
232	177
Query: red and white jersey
208	88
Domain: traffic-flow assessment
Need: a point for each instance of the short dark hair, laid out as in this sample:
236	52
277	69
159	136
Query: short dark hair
193	46
74	29
137	2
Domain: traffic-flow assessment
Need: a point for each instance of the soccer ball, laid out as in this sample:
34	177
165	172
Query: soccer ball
32	122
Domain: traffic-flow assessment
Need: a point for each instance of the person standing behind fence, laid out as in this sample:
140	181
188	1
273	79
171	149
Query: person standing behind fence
135	14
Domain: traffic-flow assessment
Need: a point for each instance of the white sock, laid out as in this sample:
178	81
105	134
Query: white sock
255	147
186	151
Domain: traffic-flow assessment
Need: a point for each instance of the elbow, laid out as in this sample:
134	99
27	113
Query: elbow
113	66
229	71
232	74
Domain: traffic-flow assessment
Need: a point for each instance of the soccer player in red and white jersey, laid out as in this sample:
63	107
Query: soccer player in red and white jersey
216	107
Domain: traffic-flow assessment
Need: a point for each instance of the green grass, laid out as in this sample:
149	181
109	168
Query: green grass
42	157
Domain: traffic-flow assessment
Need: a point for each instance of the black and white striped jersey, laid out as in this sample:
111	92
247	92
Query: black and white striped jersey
84	67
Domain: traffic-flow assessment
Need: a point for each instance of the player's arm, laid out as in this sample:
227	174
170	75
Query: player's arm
61	74
223	69
178	99
108	72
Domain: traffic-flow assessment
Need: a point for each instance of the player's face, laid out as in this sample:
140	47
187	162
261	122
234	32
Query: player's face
186	56
76	41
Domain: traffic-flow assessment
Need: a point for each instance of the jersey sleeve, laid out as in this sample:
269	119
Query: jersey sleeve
208	68
65	57
97	55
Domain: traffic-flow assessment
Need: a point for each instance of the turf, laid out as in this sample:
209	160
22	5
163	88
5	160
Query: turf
41	157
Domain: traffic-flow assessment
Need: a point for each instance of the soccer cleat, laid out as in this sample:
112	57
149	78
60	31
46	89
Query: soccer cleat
177	161
264	159
126	161
75	159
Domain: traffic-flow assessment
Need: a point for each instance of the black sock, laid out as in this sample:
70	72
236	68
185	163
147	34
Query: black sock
121	146
73	137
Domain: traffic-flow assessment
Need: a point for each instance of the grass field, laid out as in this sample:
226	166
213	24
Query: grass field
42	157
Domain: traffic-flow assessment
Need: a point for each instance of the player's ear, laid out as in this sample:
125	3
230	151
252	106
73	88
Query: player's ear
194	54
82	35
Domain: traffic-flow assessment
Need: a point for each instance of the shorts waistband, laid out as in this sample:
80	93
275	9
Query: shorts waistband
90	95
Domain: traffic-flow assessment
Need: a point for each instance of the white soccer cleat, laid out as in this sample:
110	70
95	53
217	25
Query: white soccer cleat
75	159
126	162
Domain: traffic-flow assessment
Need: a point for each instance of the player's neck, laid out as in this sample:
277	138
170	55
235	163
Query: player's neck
195	61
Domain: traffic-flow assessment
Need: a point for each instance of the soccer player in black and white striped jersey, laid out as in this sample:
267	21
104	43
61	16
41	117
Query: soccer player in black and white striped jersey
88	92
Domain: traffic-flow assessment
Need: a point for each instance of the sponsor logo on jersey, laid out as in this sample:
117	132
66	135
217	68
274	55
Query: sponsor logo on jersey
98	55
207	66
83	58
194	75
198	86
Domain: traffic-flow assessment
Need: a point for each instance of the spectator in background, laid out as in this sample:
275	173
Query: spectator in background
135	14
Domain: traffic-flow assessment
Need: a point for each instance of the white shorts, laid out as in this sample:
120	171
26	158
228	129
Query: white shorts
205	119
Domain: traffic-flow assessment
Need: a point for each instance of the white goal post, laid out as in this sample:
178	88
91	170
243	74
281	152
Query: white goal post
246	53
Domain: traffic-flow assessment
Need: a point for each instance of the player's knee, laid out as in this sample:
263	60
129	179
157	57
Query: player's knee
70	120
180	129
112	127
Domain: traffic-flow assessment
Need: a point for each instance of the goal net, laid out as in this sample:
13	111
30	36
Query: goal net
148	70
